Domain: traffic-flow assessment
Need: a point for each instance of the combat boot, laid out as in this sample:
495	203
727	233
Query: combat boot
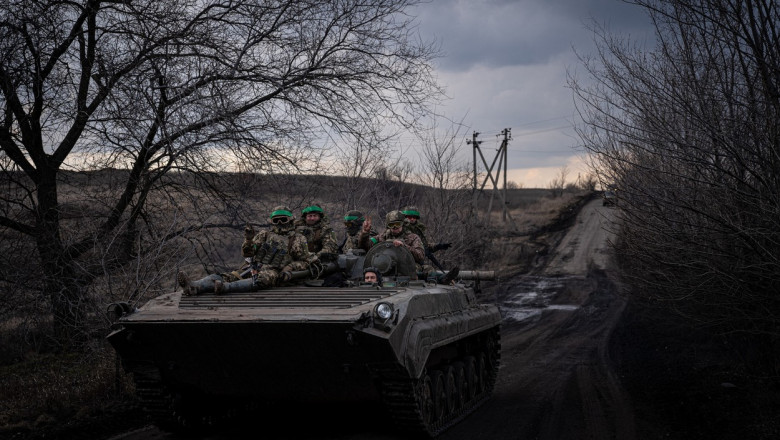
247	285
203	285
450	276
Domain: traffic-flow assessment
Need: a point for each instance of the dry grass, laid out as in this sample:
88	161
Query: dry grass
537	214
43	391
517	243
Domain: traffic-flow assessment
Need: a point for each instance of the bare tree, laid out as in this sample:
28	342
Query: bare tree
446	203
171	93
586	182
558	183
689	134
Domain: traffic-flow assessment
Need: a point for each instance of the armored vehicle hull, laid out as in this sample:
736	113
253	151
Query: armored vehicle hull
428	351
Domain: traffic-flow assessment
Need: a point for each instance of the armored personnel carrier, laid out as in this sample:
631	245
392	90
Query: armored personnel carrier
429	352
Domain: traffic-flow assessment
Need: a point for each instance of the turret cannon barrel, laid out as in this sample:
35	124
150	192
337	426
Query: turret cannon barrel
477	275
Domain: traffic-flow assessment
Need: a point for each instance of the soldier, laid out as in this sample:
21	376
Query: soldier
353	222
273	255
372	275
414	224
320	237
395	232
412	215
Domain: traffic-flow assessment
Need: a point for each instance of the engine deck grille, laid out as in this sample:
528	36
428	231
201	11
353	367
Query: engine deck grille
296	298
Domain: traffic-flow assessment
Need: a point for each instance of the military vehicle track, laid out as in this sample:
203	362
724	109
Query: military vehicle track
444	394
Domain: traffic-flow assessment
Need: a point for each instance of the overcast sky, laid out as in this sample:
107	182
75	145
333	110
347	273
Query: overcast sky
505	64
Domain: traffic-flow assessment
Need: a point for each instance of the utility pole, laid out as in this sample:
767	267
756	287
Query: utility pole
502	158
475	147
507	132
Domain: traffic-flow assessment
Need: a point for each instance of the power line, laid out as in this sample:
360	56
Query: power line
529	133
543	120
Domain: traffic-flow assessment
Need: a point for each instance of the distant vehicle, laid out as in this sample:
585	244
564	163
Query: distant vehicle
609	198
428	351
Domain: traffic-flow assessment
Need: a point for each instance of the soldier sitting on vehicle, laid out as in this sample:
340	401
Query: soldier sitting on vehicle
414	224
395	232
321	239
272	255
353	222
412	215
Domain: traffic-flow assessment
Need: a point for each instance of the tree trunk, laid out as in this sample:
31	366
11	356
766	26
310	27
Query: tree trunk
61	282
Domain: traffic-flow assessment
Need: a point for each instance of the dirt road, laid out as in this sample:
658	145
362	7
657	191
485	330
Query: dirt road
555	381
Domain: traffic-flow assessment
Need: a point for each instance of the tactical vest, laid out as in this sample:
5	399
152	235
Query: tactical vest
275	252
313	237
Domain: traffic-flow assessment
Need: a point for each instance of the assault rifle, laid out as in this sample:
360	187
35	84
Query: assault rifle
434	248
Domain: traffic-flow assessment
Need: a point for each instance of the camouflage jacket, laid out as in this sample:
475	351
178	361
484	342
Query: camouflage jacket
353	241
419	229
410	239
278	250
320	237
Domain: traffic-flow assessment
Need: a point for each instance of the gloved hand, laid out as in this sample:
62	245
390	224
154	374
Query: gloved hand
441	246
249	232
285	276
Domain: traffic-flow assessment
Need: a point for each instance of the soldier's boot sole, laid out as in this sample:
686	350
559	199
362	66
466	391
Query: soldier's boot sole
203	285
451	275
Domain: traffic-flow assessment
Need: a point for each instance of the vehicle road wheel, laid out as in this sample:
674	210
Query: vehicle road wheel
482	373
461	386
450	389
426	401
472	379
439	395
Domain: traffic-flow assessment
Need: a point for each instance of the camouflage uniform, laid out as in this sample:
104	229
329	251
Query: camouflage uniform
414	225
273	255
353	222
320	236
410	240
275	251
417	227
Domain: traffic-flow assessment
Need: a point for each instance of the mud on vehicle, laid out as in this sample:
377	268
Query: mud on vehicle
429	352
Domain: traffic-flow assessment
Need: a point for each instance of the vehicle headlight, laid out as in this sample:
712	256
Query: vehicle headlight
384	310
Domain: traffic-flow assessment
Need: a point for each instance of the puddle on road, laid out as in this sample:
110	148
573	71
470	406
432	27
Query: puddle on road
528	297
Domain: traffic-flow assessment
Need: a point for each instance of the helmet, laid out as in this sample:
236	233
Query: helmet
313	209
394	216
353	216
412	211
280	211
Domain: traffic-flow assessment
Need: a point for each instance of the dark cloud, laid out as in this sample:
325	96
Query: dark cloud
505	66
496	33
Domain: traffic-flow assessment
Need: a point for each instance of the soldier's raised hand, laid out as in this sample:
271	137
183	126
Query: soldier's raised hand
249	232
367	225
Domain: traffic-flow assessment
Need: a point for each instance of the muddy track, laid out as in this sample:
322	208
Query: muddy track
557	380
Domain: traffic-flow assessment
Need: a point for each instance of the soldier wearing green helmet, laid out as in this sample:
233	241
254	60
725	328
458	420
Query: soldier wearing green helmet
414	224
353	222
270	255
321	239
412	215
